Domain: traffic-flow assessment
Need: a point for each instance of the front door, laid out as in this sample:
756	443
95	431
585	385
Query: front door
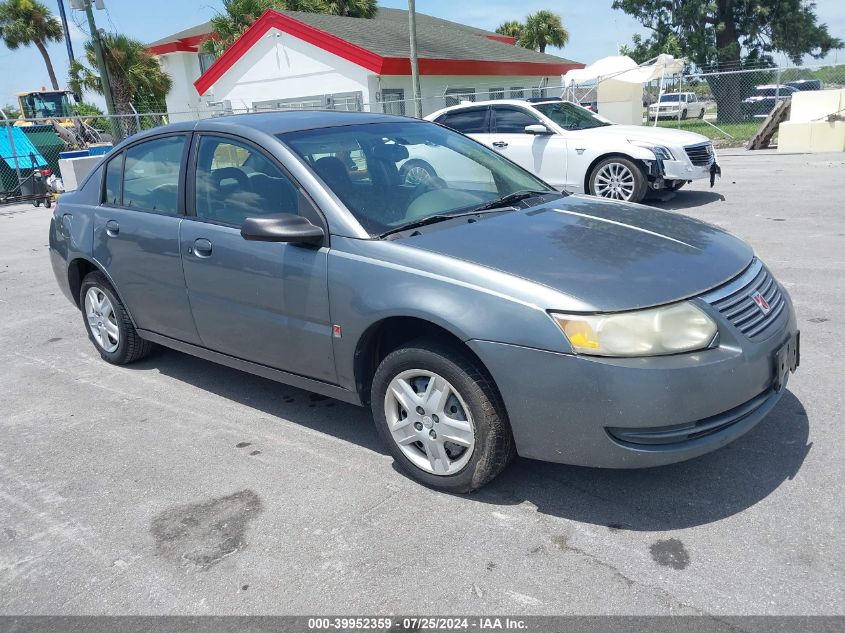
542	155
136	235
260	301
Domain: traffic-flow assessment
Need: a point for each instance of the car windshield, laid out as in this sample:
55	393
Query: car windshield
672	98
392	174
570	116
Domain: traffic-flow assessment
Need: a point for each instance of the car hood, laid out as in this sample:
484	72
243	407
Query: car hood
609	255
656	135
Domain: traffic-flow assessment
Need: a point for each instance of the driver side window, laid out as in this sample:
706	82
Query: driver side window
234	181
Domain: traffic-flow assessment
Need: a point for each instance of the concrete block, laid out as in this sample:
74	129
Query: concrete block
74	170
811	137
812	105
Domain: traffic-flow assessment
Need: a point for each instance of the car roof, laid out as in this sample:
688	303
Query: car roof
274	122
516	102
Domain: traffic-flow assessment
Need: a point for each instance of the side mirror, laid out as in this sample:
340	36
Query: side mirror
538	129
283	227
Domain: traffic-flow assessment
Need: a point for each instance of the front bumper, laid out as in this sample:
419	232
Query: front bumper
592	411
684	169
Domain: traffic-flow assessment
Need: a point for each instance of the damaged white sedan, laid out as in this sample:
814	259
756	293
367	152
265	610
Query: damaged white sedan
579	151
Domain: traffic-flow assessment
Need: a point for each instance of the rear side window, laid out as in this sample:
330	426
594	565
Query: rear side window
512	120
114	176
472	121
151	174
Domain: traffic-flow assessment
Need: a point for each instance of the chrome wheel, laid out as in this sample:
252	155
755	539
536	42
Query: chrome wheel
102	321
417	175
429	421
615	181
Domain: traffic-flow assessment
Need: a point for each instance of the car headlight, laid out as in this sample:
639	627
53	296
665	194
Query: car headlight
672	329
660	152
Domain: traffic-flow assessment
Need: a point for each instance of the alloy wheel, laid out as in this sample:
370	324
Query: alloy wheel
615	181
417	175
429	421
102	320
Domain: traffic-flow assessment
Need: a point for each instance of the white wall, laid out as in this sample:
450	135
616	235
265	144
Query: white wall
281	66
184	70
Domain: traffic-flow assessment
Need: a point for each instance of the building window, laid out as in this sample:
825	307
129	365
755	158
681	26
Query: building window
454	96
517	93
393	101
497	93
206	60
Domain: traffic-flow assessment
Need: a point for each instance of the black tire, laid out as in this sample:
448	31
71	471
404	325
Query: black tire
684	114
701	114
494	447
640	181
415	162
48	203
131	347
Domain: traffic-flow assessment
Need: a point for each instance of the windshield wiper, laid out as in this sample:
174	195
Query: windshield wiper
511	198
432	219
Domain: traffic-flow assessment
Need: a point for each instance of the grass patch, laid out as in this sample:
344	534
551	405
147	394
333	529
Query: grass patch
729	133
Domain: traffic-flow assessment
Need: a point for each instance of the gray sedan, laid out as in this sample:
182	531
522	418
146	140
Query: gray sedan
479	312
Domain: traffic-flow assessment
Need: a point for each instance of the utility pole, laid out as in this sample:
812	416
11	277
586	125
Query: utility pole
415	69
103	68
66	30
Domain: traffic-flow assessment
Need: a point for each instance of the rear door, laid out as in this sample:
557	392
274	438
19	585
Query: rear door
136	234
260	301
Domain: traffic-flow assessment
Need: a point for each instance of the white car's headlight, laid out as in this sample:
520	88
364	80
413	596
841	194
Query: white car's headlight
672	329
659	151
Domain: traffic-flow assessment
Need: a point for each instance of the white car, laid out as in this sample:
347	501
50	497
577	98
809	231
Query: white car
578	151
677	105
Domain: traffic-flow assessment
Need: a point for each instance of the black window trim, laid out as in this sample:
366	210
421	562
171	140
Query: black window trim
121	156
180	197
190	176
462	109
510	106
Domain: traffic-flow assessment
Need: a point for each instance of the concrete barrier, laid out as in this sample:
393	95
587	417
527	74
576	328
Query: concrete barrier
74	170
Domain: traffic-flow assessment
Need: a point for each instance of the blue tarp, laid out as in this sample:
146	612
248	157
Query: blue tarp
28	156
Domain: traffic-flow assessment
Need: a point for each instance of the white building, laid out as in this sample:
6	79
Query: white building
303	60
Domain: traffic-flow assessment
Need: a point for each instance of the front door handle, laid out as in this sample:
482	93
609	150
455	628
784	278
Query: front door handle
201	248
112	228
499	144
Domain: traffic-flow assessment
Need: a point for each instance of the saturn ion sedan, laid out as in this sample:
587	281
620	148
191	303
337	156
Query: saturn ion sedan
481	313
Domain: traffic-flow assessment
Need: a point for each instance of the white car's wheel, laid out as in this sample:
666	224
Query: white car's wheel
618	178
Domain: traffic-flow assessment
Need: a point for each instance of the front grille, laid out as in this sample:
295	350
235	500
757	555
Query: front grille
700	155
734	301
680	433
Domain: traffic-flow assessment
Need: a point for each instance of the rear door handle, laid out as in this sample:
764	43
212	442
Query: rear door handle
499	144
112	228
201	248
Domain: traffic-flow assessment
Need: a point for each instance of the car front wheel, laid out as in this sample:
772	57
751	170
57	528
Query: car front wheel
108	324
441	417
619	179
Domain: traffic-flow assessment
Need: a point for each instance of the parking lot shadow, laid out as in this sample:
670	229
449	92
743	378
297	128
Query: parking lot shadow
344	421
691	493
684	200
696	492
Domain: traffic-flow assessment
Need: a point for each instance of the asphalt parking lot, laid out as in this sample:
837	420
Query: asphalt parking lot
177	486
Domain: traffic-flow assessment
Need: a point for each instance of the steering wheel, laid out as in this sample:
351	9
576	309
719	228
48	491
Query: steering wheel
230	173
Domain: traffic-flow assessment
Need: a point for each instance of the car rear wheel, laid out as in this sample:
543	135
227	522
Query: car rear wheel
108	324
701	114
619	179
417	172
441	417
684	114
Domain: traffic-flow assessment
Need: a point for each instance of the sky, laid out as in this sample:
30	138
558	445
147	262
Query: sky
595	29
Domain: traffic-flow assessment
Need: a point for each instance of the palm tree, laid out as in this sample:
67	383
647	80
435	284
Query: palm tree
24	22
238	15
135	75
351	8
511	28
542	29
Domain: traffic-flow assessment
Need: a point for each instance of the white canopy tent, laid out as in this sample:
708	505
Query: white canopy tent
619	84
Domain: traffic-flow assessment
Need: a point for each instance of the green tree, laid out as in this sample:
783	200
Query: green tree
12	111
238	15
136	76
511	28
542	29
25	22
730	35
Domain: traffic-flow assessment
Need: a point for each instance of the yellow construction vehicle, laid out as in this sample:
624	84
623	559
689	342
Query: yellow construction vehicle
44	106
